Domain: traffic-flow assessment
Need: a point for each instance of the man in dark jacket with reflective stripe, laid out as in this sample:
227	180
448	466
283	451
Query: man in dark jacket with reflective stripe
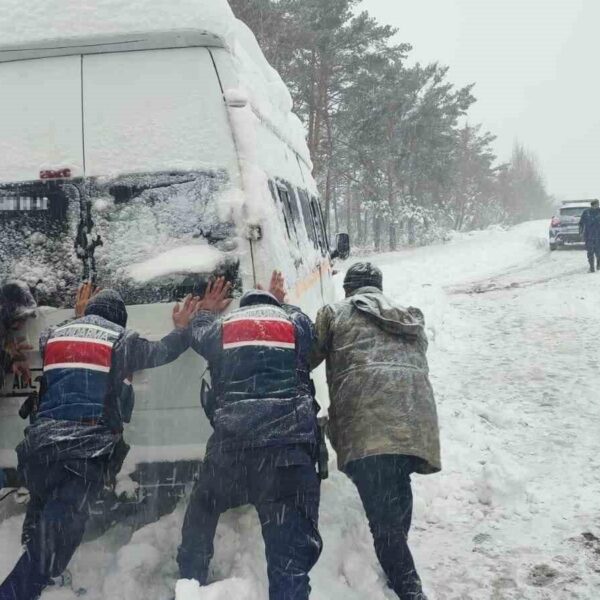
78	424
264	445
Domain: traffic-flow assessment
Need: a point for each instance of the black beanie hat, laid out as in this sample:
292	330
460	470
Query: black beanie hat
16	302
254	297
109	305
362	275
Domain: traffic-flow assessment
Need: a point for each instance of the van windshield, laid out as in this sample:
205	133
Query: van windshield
151	236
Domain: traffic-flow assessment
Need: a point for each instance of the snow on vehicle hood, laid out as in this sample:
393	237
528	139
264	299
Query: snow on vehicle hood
198	258
405	322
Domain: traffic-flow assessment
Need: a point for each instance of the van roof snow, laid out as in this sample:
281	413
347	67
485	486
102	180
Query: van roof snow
36	28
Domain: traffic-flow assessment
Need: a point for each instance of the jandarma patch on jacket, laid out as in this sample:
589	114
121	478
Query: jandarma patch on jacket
86	330
276	333
78	353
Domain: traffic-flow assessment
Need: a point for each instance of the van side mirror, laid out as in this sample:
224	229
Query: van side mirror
342	246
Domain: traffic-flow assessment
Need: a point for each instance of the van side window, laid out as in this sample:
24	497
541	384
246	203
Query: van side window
308	218
288	212
319	226
294	207
274	189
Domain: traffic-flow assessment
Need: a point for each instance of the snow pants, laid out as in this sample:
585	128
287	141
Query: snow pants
283	486
61	496
384	486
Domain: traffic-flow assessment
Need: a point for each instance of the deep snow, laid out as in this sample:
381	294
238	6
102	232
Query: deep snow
514	366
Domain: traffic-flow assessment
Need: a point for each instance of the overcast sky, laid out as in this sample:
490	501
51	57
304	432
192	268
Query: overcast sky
537	73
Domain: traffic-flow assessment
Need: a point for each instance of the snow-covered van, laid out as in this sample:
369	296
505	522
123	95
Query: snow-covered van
149	152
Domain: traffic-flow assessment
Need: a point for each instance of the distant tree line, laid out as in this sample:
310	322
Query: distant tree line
395	157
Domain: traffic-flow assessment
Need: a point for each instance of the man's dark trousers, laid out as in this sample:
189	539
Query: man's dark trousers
61	495
383	483
592	245
283	486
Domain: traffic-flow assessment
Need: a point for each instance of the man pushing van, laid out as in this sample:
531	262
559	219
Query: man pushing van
78	423
383	420
264	446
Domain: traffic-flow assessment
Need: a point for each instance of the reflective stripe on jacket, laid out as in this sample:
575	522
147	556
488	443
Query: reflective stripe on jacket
77	364
258	360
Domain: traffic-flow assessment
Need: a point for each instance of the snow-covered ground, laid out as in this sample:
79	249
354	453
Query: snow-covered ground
516	511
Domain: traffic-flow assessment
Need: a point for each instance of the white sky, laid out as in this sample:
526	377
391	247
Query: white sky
536	65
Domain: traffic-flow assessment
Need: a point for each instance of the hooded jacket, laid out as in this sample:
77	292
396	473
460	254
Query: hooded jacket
258	360
381	399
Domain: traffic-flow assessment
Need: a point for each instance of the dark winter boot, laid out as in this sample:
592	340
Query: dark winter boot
592	266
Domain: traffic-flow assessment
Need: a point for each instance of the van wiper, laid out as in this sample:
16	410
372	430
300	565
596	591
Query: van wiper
85	243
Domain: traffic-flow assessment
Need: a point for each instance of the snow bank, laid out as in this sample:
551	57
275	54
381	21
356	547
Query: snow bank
200	258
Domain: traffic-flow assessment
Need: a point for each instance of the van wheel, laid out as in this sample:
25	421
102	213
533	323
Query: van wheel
553	247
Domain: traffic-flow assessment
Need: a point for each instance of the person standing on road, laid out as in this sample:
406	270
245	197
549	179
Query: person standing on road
264	446
382	418
589	227
78	427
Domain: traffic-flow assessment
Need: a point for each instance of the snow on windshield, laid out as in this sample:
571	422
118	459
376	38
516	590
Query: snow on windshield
158	225
142	217
38	232
150	227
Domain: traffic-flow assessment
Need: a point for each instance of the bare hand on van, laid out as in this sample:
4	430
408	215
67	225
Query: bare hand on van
21	369
183	314
277	286
85	293
216	298
20	365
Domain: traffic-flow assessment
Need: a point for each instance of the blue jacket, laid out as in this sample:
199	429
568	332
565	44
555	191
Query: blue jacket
86	363
258	358
589	225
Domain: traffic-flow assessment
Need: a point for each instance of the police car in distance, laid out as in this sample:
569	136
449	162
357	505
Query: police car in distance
564	227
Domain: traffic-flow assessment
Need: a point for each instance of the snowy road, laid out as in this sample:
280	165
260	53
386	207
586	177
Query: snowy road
516	511
515	514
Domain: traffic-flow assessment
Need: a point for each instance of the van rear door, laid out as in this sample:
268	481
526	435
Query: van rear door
40	118
154	110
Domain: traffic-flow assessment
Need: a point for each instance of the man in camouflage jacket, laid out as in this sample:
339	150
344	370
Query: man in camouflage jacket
383	419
